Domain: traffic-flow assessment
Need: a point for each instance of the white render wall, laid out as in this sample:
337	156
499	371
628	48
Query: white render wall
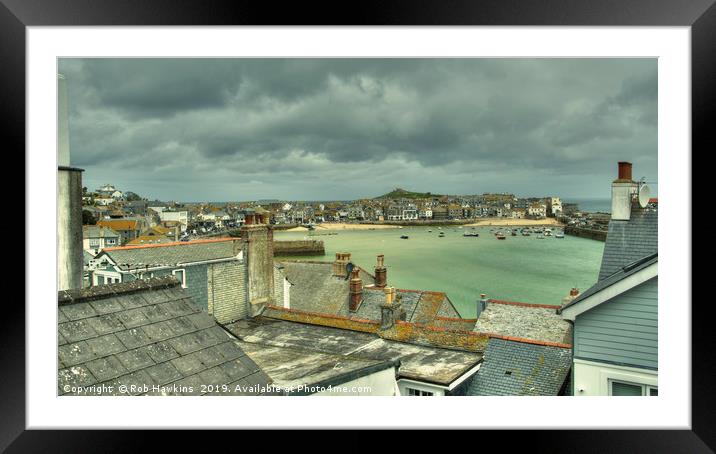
592	378
381	383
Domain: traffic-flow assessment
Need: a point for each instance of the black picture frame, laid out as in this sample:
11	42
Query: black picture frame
700	15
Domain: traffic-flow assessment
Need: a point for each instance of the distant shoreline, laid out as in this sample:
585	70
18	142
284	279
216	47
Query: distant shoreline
486	222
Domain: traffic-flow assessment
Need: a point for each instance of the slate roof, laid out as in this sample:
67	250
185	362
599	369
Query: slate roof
514	368
420	362
621	273
628	241
170	254
315	289
98	231
147	332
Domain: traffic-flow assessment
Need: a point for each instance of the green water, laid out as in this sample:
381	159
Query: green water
538	271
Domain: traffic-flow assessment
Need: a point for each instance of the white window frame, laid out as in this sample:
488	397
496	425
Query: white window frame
418	392
645	389
183	276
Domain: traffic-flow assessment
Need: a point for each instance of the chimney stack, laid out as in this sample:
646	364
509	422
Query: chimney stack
481	304
381	274
391	310
258	239
339	264
356	290
70	262
623	190
573	293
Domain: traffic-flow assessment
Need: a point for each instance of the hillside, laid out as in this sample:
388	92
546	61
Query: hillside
399	193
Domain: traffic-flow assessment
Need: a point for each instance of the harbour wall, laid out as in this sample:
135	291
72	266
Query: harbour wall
298	247
599	235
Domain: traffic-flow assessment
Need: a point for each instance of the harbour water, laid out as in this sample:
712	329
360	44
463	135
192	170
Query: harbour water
519	268
592	205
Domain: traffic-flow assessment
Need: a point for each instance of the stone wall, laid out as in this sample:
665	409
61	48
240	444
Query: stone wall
599	235
298	247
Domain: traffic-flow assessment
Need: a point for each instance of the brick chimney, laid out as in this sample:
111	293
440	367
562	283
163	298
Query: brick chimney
339	264
258	241
391	310
573	293
623	190
356	290
381	274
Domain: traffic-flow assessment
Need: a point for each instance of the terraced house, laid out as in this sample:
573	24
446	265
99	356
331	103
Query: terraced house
215	273
616	320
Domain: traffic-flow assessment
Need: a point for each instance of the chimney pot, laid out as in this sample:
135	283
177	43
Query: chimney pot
574	291
356	290
381	274
625	170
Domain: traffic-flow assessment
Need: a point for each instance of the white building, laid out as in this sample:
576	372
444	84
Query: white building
180	216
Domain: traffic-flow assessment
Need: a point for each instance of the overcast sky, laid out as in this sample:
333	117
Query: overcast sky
322	129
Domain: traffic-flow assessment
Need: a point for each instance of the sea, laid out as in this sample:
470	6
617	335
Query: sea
519	268
592	205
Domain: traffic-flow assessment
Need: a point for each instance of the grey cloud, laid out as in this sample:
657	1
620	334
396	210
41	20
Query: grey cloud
424	121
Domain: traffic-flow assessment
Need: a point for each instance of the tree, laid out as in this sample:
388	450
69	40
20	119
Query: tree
88	218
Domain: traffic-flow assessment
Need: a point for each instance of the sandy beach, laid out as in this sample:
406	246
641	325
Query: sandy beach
330	226
513	222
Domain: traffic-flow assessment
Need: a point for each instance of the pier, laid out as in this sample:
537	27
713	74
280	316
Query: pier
599	235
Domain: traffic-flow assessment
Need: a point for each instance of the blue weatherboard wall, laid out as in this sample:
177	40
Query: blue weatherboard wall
623	330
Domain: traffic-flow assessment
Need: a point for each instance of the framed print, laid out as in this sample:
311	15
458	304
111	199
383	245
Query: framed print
309	217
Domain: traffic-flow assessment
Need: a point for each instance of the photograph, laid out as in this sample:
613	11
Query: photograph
357	226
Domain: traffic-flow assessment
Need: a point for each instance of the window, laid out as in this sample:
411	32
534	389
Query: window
418	392
94	242
620	388
181	276
111	241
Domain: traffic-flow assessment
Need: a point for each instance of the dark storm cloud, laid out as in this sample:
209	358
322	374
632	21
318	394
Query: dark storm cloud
444	125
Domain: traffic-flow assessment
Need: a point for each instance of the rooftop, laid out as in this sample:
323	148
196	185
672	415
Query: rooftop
521	369
628	241
315	289
312	349
147	332
539	323
171	254
98	231
119	224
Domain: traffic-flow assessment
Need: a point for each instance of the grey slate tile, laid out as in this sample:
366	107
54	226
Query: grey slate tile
133	360
160	352
105	369
77	330
133	338
74	376
105	345
164	373
133	318
106	324
78	311
75	353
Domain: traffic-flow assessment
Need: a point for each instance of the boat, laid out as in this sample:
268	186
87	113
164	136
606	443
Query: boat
475	234
514	233
525	232
540	237
403	237
430	230
559	235
500	236
442	234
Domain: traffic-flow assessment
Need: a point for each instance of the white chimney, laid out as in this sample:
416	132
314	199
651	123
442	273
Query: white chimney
623	189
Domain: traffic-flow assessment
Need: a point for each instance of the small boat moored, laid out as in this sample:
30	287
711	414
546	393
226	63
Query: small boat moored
403	237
